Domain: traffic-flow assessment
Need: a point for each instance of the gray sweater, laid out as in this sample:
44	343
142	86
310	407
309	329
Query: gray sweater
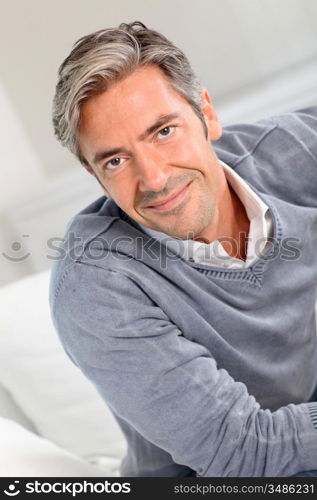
208	371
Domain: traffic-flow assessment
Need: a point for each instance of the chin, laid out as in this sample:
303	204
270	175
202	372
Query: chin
192	231
195	225
188	233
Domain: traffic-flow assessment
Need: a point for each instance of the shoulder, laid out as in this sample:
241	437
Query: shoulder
302	123
278	156
90	304
297	131
84	286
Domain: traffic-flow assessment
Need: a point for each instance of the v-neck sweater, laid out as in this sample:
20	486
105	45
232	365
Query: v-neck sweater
208	370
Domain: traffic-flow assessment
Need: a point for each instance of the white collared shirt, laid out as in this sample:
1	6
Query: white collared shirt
213	253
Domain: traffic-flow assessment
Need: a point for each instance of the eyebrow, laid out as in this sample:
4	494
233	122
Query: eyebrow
160	122
102	155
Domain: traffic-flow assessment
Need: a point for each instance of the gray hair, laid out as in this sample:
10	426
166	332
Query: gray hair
109	55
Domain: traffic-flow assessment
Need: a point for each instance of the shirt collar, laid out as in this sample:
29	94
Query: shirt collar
214	253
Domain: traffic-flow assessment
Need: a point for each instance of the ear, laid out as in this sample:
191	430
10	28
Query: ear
211	118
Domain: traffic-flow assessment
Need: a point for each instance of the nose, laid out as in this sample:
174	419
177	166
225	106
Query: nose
152	170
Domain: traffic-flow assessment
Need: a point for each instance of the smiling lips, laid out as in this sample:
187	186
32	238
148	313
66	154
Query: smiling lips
172	201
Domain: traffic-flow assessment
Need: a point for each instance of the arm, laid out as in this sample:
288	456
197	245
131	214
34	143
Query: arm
169	388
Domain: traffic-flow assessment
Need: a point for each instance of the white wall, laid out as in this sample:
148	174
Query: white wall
256	57
22	173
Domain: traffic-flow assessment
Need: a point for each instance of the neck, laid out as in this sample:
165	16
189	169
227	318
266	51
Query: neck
230	225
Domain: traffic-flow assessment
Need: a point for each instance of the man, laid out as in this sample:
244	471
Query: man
187	294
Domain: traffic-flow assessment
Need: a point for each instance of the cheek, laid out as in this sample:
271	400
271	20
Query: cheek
188	151
123	192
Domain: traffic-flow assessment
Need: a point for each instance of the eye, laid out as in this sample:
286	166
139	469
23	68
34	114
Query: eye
165	132
114	163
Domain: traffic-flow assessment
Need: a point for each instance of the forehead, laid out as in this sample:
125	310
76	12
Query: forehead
132	103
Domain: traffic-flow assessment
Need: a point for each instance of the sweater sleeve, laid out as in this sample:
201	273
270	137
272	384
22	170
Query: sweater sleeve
169	388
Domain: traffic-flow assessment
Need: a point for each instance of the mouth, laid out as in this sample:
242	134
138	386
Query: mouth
172	201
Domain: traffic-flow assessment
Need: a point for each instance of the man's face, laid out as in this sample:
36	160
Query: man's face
149	150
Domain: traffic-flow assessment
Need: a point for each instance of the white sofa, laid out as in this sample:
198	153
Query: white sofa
52	421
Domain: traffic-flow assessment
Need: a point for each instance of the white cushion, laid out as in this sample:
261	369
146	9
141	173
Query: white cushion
9	409
25	454
54	395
